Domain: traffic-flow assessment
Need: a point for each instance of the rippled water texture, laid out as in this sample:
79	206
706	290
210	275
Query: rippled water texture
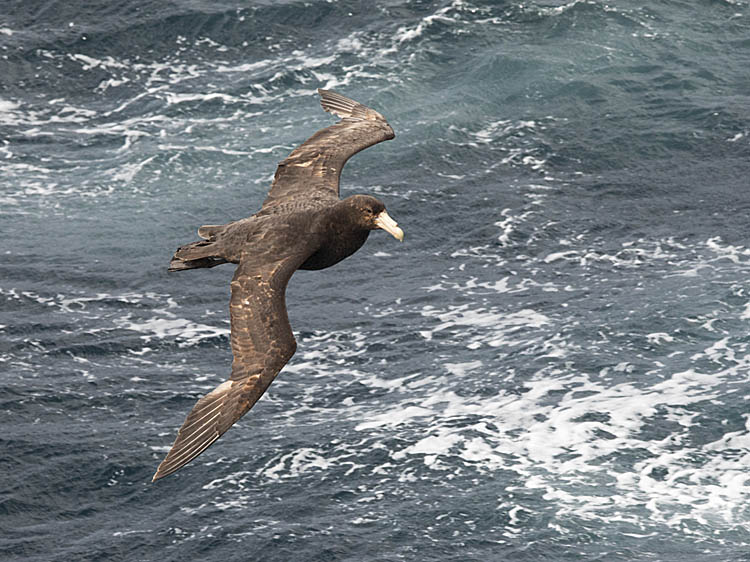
553	366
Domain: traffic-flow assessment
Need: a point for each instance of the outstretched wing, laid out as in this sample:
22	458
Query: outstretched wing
262	343
313	169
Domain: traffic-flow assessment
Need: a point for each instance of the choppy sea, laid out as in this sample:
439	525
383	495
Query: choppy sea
553	367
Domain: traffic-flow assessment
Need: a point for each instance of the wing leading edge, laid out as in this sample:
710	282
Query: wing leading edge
314	168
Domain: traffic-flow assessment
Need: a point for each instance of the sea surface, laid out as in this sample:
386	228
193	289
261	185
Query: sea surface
554	365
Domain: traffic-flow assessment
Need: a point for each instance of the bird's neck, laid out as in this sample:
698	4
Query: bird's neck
346	231
340	237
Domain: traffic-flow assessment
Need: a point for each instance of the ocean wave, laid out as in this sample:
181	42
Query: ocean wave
553	365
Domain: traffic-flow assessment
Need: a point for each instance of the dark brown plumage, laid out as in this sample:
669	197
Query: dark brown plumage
302	225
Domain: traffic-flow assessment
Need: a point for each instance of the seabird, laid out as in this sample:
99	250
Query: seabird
302	225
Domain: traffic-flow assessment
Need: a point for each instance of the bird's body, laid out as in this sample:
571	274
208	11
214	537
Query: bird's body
302	225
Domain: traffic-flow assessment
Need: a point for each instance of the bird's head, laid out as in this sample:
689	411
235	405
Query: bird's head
371	214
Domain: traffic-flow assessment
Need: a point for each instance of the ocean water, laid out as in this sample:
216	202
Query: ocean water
553	366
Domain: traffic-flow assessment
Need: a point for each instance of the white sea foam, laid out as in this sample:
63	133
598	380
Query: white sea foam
407	33
352	43
659	337
127	172
170	81
7	106
394	418
634	437
168	326
489	327
163	323
552	447
177	98
244	67
296	462
567	432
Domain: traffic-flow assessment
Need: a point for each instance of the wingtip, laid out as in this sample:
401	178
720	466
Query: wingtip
158	475
161	473
346	108
333	102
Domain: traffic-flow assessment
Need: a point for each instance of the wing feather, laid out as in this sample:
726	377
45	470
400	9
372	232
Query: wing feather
262	342
313	169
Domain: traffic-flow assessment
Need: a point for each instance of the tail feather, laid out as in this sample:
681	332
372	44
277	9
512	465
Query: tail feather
209	231
195	255
195	250
180	265
204	253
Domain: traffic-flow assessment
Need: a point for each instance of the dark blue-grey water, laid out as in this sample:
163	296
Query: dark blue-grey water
553	366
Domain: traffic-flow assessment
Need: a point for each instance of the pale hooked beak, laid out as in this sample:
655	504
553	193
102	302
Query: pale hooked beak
384	221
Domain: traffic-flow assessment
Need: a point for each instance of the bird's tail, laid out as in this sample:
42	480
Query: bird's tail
195	255
204	253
